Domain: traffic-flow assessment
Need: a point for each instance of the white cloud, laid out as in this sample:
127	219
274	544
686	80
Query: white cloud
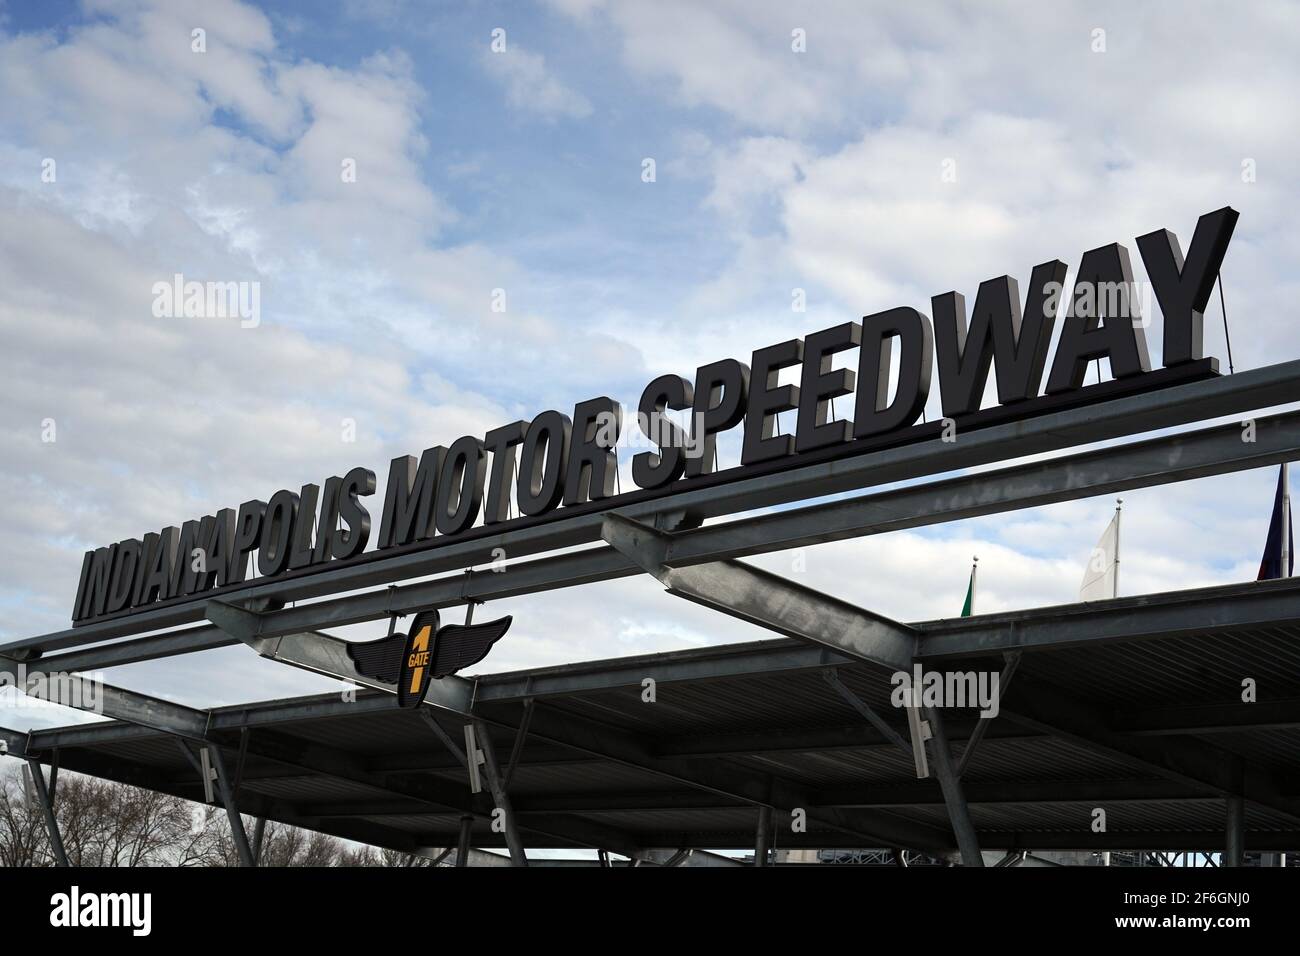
531	87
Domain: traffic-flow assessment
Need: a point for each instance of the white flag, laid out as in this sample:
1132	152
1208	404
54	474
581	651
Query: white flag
1100	579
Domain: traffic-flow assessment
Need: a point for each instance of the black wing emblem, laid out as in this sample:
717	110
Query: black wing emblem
412	660
381	659
462	645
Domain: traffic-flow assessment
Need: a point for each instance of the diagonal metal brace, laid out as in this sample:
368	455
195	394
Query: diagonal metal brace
862	707
766	599
982	726
451	745
521	736
46	799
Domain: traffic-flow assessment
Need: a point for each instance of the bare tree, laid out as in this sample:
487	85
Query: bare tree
105	823
22	832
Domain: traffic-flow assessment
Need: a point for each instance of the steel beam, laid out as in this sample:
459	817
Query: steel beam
763	836
1194	454
826	739
1013	793
106	699
1218	609
1234	831
228	801
1199	841
1200	611
953	798
1207	719
1185	456
767	599
718	776
545	756
751	659
463	843
1195	763
727	494
499	794
190	640
259	831
46	799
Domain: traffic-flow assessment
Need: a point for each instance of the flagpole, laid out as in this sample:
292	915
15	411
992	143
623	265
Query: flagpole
974	568
1286	519
1119	505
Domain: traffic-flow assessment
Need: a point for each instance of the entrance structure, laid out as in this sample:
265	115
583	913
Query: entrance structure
1130	706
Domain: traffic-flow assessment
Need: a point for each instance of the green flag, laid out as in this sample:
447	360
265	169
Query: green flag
968	608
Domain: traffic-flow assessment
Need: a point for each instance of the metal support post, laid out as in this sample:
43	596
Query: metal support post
763	836
499	795
259	829
232	811
1234	837
46	798
953	796
462	845
1234	830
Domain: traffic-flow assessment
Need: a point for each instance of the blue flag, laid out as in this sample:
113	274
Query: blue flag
1271	565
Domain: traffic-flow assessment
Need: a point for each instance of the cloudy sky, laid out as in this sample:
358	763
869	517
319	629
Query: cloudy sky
520	169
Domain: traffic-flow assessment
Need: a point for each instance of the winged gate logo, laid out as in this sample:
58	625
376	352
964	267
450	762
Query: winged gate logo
412	660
